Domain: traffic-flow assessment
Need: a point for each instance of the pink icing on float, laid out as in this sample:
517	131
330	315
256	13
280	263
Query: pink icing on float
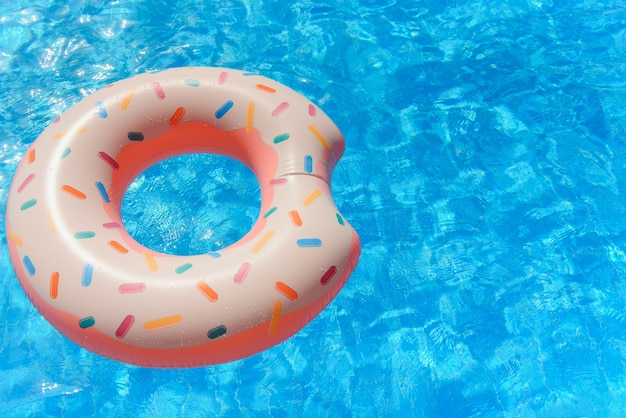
106	292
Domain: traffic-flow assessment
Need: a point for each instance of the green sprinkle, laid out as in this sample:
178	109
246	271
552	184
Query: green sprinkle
28	204
269	212
340	220
66	152
191	82
86	322
84	234
183	268
281	138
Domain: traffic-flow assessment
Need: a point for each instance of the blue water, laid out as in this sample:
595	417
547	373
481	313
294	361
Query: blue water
484	171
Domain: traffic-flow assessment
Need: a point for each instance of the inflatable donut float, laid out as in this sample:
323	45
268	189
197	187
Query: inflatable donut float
107	293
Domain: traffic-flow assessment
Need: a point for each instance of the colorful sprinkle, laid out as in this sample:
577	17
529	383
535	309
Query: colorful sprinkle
219	113
214	254
218	331
111	225
177	116
59	135
286	290
57	119
84	234
328	275
318	135
222	78
31	156
103	192
102	112
28	204
263	241
265	88
207	291
66	152
308	164
131	288
183	268
295	218
192	83
164	322
158	90
275	318
109	160
51	224
312	111
127	99
15	239
276	182
135	136
242	273
118	247
269	212
280	138
311	197
86	322
340	220
30	267
250	117
26	182
280	109
152	264
73	192
309	242
54	285
87	276
124	326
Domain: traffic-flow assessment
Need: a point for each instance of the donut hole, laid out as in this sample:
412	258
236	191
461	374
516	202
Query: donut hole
191	204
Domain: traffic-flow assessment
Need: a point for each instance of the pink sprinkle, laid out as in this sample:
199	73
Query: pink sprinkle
275	182
328	275
312	110
26	181
109	160
124	327
132	288
57	119
222	78
158	90
243	271
280	108
111	225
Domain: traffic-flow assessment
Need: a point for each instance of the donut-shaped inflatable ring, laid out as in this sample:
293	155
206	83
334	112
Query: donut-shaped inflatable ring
103	290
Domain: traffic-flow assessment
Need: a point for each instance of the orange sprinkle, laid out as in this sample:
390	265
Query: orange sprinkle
54	285
166	321
118	247
250	117
15	239
31	156
318	135
82	130
286	290
127	99
51	224
59	135
295	218
73	192
276	307
265	88
177	116
152	264
207	291
311	197
263	241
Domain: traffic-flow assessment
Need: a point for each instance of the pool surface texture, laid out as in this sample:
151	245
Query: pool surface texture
485	172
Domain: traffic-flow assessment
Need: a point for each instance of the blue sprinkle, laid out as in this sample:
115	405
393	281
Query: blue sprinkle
309	242
308	163
214	254
103	192
66	152
219	113
102	112
30	267
87	275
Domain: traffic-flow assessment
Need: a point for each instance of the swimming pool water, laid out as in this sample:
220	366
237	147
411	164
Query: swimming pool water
484	171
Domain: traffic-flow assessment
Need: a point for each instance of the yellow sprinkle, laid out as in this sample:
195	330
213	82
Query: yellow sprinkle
250	117
310	198
318	135
127	99
263	241
164	322
15	239
152	264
